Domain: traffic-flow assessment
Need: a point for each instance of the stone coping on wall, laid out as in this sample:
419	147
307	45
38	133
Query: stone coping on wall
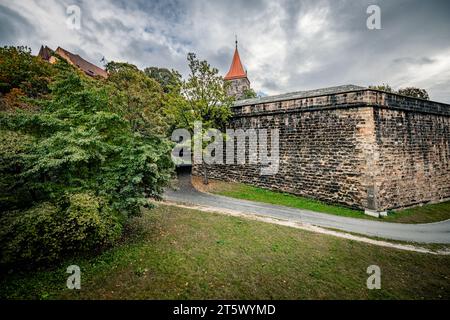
347	96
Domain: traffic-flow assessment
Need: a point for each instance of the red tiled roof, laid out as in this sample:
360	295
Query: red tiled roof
88	68
45	53
236	69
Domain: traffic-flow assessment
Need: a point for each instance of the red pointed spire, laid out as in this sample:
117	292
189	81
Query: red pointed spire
236	69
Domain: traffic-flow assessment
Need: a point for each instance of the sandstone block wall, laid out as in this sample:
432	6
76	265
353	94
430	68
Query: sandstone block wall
359	148
414	158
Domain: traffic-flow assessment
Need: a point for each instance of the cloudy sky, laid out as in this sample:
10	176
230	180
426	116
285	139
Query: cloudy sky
285	46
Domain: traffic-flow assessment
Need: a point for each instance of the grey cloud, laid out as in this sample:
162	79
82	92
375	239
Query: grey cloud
271	84
288	45
412	60
12	26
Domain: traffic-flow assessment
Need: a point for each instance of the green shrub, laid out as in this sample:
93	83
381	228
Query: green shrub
79	145
89	222
48	232
73	167
33	234
14	146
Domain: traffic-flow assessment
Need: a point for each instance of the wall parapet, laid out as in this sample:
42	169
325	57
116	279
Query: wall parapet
337	97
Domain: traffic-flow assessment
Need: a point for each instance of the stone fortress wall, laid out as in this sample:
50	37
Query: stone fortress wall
349	145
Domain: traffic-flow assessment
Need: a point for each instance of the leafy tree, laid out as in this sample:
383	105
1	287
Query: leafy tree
81	145
78	159
383	87
22	75
14	146
15	99
139	99
248	94
168	79
414	92
19	69
409	91
203	98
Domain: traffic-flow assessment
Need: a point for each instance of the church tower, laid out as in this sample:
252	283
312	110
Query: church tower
237	76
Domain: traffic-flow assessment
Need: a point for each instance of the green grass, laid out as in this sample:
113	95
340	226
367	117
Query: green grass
175	253
249	192
421	214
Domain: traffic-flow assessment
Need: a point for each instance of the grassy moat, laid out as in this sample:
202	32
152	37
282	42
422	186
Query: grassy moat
176	253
